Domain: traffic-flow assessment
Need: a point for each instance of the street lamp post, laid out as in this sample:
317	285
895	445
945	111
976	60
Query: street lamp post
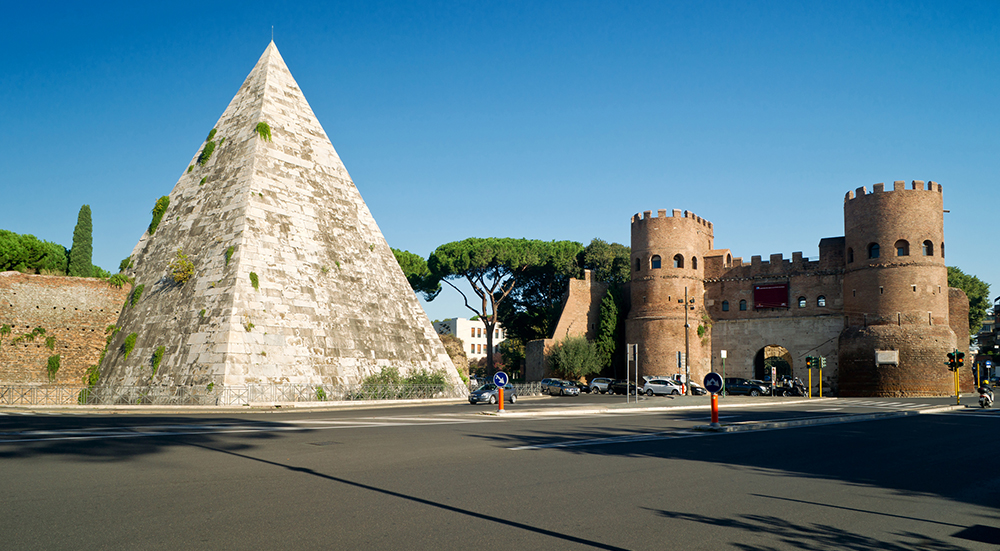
687	346
723	353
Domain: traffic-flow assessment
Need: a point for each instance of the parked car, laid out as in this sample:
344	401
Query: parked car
661	387
697	390
564	388
619	386
739	385
545	384
490	393
600	384
766	384
583	386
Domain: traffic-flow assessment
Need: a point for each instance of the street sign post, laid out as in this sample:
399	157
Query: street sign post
714	383
500	379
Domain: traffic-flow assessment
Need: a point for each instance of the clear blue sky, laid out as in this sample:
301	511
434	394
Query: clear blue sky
542	120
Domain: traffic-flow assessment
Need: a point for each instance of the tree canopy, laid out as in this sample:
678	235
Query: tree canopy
978	292
575	357
417	273
81	255
26	253
608	262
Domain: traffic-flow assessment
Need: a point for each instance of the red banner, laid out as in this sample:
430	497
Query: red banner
771	295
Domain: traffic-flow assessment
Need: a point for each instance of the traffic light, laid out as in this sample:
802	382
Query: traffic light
959	360
810	362
822	362
951	361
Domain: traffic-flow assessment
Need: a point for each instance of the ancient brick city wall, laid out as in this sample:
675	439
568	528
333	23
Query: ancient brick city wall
75	311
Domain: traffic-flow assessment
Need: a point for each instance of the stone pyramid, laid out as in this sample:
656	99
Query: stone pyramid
292	282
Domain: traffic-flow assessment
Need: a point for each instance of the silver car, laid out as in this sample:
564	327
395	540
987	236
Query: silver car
564	388
662	387
600	384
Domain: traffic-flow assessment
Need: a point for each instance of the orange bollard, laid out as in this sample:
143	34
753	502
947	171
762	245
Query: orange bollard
715	409
501	400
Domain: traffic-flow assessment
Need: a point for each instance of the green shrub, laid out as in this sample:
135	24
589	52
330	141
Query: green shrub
206	153
119	280
190	168
158	209
320	394
211	135
53	367
202	313
210	386
575	357
129	343
91	375
125	264
181	269
158	356
202	182
136	294
264	131
27	254
50	343
229	253
254	281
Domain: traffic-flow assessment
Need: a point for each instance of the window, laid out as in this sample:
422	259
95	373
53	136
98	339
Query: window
725	306
743	306
928	248
473	334
821	301
850	255
480	347
729	259
678	261
873	250
637	264
802	302
473	349
694	262
942	250
902	248
654	262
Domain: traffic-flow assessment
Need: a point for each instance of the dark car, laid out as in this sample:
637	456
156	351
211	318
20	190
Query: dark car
489	393
697	390
618	386
739	385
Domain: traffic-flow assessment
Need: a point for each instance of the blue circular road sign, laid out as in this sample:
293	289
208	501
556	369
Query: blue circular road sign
714	383
500	378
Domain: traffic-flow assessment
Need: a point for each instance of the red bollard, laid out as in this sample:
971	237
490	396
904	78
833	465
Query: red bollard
501	401
715	409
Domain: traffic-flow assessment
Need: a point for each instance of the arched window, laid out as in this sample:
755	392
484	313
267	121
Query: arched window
802	302
928	248
729	260
725	306
873	250
743	306
637	264
654	262
678	261
694	262
821	301
850	255
902	248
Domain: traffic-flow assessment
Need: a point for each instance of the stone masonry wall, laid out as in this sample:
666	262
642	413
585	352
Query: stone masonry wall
75	311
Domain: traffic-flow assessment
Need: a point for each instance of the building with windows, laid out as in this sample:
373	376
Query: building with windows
472	334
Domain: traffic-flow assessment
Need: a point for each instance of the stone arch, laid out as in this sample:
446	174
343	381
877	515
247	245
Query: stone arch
678	261
775	355
654	263
902	248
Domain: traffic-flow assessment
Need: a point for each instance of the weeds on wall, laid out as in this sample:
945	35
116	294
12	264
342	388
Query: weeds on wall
158	209
119	280
211	135
229	253
158	354
254	281
50	343
202	313
4	331
129	344
30	336
125	264
210	387
202	182
136	294
320	394
264	131
206	153
53	367
181	268
190	168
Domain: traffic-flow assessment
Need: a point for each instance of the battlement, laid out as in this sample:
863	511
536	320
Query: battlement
675	213
898	185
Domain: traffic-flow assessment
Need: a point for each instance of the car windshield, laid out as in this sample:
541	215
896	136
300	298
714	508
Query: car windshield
487	387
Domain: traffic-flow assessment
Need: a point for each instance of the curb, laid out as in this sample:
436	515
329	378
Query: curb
616	410
770	425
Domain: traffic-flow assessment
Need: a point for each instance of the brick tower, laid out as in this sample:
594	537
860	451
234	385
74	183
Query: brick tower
896	295
668	256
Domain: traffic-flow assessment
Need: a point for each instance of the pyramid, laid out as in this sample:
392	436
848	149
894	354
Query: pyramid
293	281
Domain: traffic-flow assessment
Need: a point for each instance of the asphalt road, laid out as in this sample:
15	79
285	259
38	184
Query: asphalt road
551	475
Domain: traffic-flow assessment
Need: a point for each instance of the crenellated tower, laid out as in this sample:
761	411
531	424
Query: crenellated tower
668	255
896	296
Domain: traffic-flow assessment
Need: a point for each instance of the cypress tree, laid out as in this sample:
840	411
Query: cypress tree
80	256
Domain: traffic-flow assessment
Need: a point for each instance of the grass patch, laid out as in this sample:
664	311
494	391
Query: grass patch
254	281
229	253
136	294
158	355
264	131
129	343
158	209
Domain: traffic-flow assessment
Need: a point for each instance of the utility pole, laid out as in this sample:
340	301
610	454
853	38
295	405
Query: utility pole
687	346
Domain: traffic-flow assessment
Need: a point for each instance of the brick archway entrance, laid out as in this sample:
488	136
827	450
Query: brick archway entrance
772	355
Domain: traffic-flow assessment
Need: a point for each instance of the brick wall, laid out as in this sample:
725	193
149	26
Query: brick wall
75	311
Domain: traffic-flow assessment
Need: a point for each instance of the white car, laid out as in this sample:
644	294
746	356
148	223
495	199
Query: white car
662	386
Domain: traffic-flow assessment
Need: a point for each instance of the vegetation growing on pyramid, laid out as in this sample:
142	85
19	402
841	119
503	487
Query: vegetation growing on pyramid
80	256
229	253
190	168
181	269
211	135
136	294
254	281
158	209
158	355
53	367
125	264
129	343
264	131
202	182
206	153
